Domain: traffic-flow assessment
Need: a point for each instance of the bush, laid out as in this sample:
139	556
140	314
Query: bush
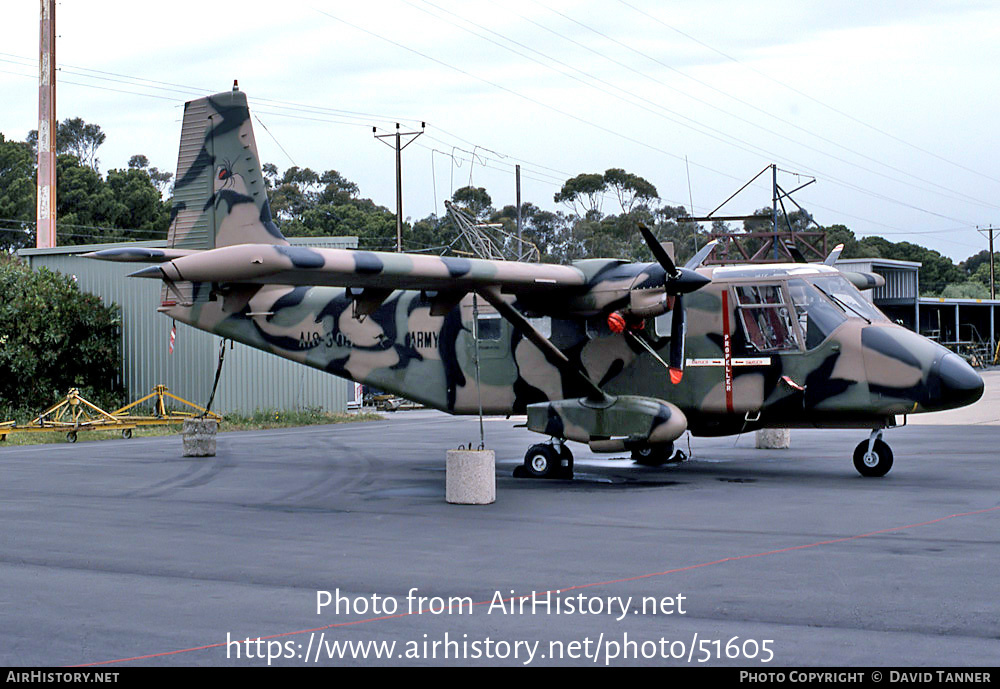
54	337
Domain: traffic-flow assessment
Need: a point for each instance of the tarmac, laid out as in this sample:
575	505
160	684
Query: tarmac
119	553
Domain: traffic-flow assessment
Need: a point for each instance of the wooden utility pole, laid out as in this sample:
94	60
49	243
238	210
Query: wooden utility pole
988	232
45	214
399	146
517	183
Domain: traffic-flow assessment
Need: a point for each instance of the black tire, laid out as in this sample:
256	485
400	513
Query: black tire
71	437
126	434
653	455
875	465
542	461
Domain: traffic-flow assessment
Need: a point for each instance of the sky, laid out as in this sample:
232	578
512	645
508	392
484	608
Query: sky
890	106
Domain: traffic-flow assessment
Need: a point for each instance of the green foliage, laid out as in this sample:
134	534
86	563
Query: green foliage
274	418
936	271
53	337
126	205
17	194
629	188
161	180
76	138
583	192
966	290
475	200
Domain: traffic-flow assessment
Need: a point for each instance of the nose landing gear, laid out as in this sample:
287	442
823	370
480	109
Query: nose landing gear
872	457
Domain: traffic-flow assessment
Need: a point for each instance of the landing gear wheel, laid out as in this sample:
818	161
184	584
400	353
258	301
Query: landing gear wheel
657	455
875	463
71	437
542	461
126	434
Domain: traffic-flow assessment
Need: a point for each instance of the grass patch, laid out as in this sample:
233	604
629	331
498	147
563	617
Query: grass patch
259	420
263	419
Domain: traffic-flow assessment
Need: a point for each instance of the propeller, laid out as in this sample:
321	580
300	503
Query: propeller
679	281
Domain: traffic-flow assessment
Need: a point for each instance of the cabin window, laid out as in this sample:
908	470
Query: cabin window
542	325
489	326
766	318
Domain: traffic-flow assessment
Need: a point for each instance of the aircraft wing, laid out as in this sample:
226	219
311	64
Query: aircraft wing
291	265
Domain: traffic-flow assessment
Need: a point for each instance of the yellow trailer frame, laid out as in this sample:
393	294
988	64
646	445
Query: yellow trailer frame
73	414
161	415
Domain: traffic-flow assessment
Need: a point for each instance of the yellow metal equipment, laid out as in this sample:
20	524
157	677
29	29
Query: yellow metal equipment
161	415
73	414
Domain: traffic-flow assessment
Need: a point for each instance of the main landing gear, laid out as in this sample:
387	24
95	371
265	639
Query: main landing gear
547	460
658	455
873	457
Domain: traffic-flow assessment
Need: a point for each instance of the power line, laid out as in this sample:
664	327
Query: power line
806	95
327	118
954	194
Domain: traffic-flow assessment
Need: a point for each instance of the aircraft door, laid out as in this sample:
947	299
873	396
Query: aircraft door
765	318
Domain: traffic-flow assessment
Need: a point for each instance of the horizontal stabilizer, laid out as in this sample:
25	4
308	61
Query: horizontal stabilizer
139	254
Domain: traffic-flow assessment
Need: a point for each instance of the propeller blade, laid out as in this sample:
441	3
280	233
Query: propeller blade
834	255
794	252
659	253
679	280
695	261
678	331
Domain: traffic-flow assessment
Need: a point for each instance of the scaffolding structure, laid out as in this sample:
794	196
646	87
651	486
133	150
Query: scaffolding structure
489	240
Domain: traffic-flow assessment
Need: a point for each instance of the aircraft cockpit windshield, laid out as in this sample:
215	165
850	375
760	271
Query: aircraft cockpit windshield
824	301
845	295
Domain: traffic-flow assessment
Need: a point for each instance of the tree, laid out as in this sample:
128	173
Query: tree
475	200
161	180
139	205
17	195
583	192
294	193
546	230
629	188
75	137
336	188
53	337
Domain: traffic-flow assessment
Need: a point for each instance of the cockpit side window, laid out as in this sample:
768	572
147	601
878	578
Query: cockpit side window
817	317
766	318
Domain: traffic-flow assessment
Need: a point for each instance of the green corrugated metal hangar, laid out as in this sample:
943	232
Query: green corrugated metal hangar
251	379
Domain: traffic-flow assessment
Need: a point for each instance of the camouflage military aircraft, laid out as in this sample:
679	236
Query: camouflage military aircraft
620	356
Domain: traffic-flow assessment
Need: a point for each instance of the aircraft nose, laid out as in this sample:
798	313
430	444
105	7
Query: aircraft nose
960	384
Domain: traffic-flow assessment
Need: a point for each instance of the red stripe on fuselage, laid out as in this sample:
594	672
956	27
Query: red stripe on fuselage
727	351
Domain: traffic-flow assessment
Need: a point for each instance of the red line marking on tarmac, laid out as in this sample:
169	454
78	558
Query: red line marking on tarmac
623	580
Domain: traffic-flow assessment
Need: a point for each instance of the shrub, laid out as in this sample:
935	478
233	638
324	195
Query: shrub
54	337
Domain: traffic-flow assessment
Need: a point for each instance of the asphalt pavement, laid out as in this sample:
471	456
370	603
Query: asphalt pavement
124	552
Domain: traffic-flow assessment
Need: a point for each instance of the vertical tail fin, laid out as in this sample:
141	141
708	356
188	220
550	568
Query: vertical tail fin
219	194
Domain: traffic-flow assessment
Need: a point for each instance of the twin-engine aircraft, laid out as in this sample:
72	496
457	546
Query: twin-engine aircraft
619	356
